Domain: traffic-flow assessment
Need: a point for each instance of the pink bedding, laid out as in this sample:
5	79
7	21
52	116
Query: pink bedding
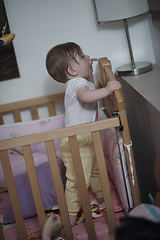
79	231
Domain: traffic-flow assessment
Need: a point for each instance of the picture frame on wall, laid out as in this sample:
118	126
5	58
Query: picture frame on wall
8	62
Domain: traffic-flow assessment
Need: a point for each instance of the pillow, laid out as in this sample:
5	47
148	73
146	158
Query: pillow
38	150
25	196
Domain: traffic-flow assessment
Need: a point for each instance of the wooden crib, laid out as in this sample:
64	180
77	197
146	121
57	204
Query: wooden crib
114	103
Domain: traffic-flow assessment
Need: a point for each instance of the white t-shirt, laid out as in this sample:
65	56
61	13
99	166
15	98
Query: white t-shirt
77	112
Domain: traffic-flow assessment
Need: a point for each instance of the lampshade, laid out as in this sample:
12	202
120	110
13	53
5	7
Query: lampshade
114	10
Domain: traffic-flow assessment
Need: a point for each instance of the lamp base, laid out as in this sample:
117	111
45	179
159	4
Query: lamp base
128	70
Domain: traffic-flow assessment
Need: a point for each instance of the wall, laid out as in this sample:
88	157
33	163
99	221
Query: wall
40	24
155	35
155	27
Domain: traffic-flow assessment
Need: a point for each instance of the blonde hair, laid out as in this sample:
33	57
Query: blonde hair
58	60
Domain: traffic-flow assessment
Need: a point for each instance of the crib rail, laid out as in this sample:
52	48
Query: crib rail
113	103
32	104
48	138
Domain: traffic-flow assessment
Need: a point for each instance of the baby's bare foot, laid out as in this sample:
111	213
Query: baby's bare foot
73	219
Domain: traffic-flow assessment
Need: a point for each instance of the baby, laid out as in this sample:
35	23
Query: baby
66	63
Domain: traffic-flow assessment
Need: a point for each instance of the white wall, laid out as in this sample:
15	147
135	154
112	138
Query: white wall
155	33
41	24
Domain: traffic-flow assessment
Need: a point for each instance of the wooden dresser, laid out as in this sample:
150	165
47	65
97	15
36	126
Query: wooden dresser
142	100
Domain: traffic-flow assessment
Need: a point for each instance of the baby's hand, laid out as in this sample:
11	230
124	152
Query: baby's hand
52	227
112	86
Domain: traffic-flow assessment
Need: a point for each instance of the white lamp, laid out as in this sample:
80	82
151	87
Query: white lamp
114	10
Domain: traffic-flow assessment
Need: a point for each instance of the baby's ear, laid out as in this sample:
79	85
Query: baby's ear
71	71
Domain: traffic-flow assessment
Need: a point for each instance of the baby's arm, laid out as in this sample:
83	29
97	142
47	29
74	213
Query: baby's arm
87	96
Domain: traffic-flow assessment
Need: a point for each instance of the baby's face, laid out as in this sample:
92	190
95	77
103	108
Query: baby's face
84	66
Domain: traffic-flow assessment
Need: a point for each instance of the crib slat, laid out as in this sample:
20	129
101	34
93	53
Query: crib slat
13	195
82	187
34	185
59	189
1	119
34	113
104	181
17	116
51	108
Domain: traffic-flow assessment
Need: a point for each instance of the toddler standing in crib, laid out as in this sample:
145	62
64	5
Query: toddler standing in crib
66	63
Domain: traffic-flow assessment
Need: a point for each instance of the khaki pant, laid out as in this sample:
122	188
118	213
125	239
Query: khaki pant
90	169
